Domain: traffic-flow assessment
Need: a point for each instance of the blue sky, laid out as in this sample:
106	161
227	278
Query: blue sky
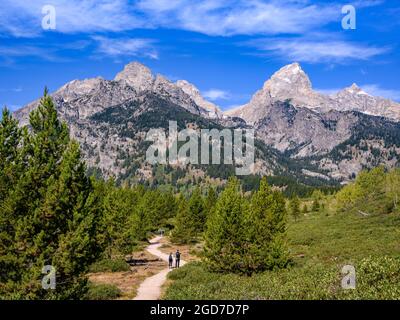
226	48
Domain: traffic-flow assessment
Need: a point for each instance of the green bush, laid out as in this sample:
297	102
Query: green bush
376	278
109	265
102	292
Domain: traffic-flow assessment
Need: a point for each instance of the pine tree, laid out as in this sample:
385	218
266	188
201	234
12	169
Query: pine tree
265	226
10	170
140	221
294	206
54	216
225	236
185	226
119	207
197	210
210	201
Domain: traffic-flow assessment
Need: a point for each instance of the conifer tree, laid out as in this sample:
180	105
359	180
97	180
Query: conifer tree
210	201
294	206
185	226
225	236
54	217
10	171
266	226
197	210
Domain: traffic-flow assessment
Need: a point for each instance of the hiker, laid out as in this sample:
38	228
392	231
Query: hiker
177	258
170	260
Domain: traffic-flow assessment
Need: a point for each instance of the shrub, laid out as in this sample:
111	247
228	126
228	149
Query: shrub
109	265
102	292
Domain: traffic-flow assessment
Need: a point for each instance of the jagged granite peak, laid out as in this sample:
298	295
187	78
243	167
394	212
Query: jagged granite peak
355	89
136	75
354	98
292	83
290	78
288	83
194	93
83	98
75	88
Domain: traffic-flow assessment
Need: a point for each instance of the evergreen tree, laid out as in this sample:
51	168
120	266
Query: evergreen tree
265	230
197	210
225	236
10	171
294	206
210	201
54	216
119	206
139	224
185	226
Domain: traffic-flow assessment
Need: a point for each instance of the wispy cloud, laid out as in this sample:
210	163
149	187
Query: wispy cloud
316	50
226	18
9	54
23	18
216	94
211	17
126	47
377	90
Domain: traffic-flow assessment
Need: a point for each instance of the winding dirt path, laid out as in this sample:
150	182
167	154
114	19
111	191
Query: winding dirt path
150	289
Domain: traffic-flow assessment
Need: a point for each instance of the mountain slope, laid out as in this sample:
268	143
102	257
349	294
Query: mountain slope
301	134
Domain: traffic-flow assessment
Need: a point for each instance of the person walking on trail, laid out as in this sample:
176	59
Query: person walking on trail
170	261
177	258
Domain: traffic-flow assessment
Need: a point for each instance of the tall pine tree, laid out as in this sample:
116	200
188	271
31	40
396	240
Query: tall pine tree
265	228
225	236
54	213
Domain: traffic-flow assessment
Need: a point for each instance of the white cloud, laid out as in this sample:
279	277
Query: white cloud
216	94
211	17
378	91
316	50
23	18
126	47
9	54
225	18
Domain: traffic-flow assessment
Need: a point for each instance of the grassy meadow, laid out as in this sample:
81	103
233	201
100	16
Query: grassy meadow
320	245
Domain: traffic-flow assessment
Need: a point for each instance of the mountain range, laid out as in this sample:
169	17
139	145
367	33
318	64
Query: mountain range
300	133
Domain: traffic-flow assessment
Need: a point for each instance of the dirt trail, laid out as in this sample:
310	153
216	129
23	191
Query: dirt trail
150	289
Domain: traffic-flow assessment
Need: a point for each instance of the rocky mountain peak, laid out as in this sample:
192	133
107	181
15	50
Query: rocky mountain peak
289	78
195	94
136	75
76	88
354	89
